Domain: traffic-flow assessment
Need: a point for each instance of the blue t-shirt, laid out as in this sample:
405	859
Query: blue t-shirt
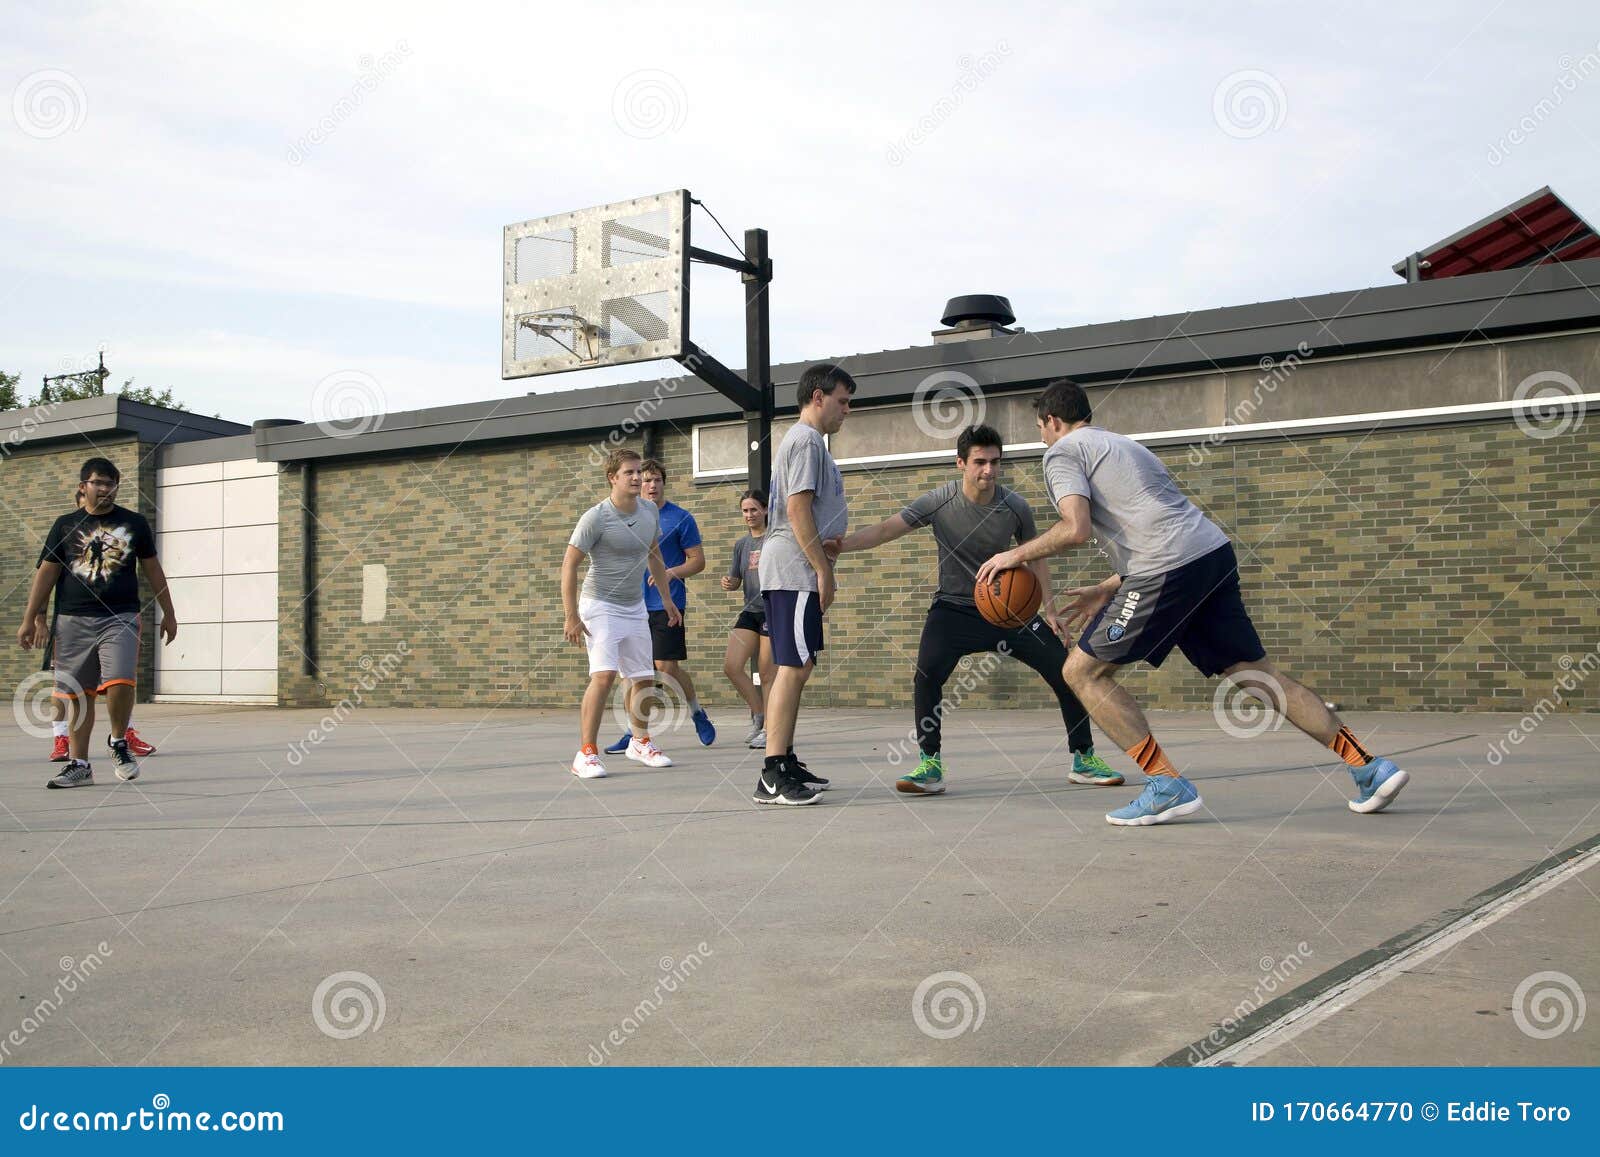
679	531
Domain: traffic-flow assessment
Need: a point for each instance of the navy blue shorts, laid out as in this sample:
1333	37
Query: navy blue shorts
1196	608
794	623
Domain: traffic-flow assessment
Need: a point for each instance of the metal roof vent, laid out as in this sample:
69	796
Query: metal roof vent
974	317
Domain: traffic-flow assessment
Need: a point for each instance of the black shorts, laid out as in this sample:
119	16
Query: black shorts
1196	608
794	624
752	621
668	642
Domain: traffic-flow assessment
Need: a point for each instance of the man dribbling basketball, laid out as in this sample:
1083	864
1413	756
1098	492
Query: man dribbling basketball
974	517
1177	584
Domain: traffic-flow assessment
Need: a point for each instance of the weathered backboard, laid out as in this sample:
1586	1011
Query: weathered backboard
597	287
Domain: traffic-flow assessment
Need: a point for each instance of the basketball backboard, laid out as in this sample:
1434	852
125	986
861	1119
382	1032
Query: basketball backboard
597	287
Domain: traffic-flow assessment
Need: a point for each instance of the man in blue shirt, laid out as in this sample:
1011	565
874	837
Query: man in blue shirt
685	557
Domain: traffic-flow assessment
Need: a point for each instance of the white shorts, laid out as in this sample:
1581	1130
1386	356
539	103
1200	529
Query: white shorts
618	639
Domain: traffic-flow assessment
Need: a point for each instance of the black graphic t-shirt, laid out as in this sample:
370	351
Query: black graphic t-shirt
96	553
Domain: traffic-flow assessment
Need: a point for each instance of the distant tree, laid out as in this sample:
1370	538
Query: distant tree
151	396
9	399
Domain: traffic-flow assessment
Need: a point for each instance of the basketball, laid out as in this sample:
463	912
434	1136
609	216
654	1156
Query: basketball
1010	599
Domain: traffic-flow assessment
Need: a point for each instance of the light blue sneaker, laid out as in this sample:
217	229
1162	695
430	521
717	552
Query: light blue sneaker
703	727
1379	782
1165	797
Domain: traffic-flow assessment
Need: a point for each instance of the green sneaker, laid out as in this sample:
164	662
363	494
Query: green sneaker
1087	767
928	779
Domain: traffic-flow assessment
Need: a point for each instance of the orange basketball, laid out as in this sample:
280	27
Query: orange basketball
1010	599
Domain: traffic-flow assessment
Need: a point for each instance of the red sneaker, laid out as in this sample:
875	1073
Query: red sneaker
59	752
136	745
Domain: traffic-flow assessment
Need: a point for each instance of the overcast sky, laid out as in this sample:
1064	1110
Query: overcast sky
239	200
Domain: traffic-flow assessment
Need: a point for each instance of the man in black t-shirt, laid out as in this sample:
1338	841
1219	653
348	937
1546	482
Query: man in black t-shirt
88	560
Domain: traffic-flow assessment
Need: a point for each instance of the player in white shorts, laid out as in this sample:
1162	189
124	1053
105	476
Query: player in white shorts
620	537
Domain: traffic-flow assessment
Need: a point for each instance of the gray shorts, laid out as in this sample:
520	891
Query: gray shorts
94	652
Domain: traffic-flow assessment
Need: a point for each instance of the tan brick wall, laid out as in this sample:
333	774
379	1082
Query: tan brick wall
1448	568
36	488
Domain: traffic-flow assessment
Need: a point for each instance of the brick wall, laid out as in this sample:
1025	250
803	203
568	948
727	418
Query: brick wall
37	489
1446	568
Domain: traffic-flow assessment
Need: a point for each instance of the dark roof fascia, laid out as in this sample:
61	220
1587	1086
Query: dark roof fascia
1533	299
91	419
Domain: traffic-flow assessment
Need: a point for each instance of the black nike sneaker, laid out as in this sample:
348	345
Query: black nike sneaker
780	783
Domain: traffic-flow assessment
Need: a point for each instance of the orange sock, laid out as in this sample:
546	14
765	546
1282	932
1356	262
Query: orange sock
588	749
1346	748
1151	759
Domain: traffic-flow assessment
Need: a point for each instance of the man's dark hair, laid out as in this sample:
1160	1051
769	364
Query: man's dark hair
653	466
1064	399
977	436
102	466
824	376
759	495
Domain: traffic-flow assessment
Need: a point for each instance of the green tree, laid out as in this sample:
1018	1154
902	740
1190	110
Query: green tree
150	396
9	399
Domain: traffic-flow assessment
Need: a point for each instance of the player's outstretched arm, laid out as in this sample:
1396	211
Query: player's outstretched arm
1073	530
658	575
1081	604
872	536
572	629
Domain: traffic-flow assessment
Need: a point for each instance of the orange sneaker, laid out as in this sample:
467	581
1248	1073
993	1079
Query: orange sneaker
59	752
136	745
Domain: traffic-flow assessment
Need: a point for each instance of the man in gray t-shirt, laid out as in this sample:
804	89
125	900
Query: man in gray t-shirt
1177	584
973	518
807	510
619	536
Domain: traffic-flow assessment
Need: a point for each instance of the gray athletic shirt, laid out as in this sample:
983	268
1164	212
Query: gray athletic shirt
969	535
1140	517
618	546
747	566
801	463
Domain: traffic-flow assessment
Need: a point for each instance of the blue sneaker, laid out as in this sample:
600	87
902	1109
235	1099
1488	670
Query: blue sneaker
703	728
1379	782
1164	798
620	745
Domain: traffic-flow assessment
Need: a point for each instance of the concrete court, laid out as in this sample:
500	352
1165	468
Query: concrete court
512	914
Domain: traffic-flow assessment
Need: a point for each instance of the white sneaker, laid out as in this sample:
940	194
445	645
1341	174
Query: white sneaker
758	741
648	754
588	766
